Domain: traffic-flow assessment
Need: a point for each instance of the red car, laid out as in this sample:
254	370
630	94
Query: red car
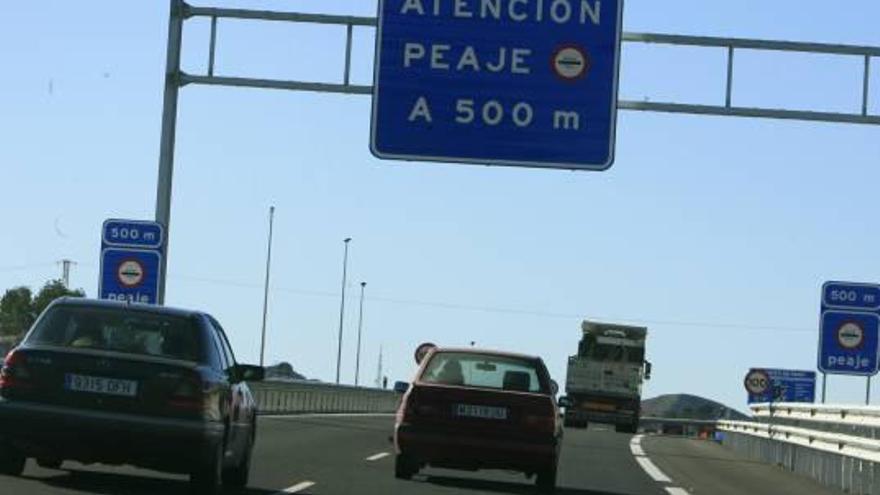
475	409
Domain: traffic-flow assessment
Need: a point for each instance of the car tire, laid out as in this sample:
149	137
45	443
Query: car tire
238	476
546	479
49	463
404	467
207	477
11	461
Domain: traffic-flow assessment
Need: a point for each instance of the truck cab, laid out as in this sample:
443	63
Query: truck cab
604	379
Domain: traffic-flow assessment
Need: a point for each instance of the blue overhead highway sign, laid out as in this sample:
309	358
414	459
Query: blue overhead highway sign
131	261
498	82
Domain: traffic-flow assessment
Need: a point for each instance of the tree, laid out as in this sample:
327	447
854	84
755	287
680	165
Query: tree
53	289
19	307
16	312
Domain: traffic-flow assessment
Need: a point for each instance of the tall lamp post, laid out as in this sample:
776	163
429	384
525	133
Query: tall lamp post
266	287
342	308
357	365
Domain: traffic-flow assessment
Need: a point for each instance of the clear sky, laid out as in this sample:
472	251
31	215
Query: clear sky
715	232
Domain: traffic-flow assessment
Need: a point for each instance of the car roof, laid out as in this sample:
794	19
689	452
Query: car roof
490	352
146	308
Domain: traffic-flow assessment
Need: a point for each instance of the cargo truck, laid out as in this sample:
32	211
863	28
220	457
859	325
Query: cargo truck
604	379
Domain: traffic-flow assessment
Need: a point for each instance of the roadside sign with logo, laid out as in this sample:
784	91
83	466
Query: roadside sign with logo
131	261
850	323
512	83
777	385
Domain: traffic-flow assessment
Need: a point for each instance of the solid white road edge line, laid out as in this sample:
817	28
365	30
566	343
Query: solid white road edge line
378	456
297	487
635	445
652	470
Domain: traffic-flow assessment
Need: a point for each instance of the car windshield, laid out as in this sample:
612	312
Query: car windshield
130	332
485	371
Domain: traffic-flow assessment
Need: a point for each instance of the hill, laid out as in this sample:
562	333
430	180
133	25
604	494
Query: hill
688	406
282	371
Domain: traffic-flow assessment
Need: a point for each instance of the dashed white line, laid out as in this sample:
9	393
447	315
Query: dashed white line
378	456
676	491
297	487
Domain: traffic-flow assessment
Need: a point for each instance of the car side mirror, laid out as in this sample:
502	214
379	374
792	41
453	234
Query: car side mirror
401	387
565	401
554	387
648	368
248	373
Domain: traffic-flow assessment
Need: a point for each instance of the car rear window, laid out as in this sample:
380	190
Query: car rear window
119	330
485	371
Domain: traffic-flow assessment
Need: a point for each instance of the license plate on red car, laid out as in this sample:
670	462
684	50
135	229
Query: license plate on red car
482	412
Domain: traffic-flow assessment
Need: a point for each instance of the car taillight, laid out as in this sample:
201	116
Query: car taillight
541	423
189	395
14	373
417	407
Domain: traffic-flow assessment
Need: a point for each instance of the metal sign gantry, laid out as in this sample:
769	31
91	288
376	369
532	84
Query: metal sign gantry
175	78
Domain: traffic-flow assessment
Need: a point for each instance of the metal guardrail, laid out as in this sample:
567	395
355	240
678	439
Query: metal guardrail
303	397
836	445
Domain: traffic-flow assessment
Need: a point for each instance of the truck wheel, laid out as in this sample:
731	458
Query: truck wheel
11	461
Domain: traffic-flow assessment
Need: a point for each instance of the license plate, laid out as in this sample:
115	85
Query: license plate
100	385
483	412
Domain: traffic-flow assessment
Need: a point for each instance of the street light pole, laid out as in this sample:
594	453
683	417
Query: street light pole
357	365
342	308
266	287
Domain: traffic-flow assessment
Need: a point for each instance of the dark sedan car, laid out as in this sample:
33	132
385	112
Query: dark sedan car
472	409
115	383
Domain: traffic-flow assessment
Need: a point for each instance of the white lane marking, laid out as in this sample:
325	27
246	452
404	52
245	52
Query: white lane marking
378	456
677	491
652	470
635	445
297	487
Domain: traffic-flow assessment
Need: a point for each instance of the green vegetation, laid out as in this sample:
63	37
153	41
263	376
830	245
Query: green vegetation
19	307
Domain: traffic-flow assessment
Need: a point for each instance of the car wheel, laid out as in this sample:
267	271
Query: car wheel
49	463
404	467
546	479
237	477
207	477
11	461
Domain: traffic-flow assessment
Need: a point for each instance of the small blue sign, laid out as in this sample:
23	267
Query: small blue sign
131	261
848	343
786	386
847	295
133	233
497	82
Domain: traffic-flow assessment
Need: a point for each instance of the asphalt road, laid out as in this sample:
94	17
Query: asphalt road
348	455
